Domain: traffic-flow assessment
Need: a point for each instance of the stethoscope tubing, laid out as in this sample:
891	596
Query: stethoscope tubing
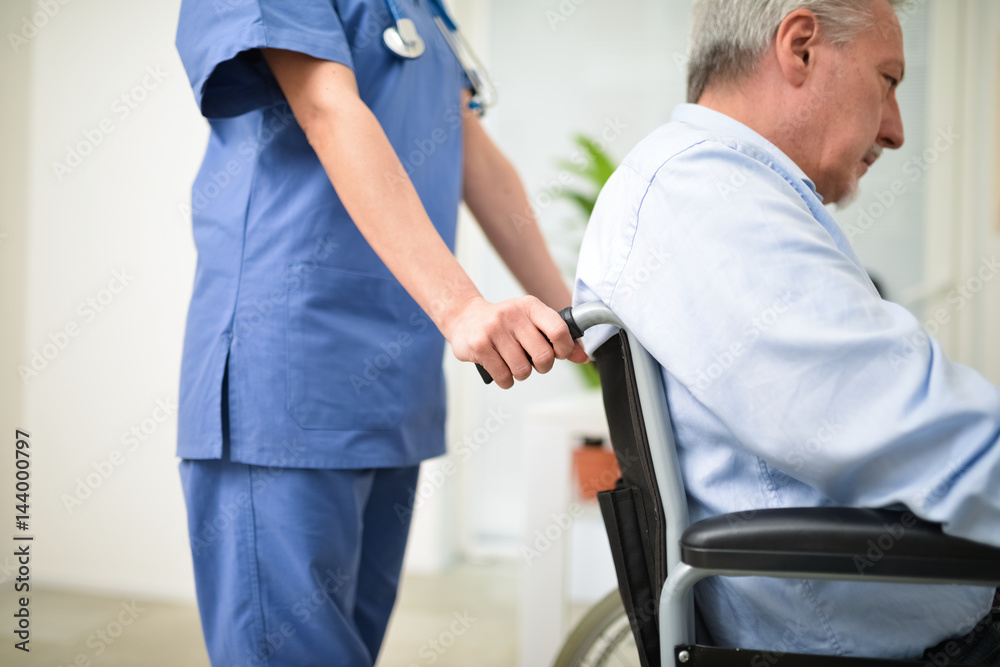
394	11
438	10
482	86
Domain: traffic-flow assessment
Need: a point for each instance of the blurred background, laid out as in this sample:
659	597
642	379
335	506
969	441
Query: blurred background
100	140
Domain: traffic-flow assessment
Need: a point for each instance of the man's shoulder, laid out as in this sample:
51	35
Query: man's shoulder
682	145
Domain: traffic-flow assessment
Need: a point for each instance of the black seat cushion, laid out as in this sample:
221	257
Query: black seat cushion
837	540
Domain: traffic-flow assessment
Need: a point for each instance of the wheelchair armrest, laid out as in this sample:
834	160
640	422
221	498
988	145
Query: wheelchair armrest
837	541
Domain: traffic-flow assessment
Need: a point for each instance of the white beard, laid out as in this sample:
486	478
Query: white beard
849	198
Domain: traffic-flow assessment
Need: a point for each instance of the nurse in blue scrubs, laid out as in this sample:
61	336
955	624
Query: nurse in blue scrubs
311	386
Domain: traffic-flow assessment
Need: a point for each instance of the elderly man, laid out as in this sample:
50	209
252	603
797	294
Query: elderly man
790	381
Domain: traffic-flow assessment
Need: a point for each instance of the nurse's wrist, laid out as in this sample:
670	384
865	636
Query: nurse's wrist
450	306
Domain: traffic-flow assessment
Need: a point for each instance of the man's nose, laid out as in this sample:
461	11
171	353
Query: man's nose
890	134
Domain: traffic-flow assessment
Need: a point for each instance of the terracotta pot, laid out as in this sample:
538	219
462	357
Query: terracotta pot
595	467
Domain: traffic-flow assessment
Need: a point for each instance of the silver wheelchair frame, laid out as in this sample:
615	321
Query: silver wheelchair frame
770	547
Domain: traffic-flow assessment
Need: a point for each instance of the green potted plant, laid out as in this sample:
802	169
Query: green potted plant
593	167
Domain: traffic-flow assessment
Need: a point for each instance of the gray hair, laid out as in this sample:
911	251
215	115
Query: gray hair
729	37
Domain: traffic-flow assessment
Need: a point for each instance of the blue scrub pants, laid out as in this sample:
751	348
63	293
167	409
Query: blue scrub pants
295	566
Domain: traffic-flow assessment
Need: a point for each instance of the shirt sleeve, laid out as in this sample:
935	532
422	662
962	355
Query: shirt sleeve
219	42
745	298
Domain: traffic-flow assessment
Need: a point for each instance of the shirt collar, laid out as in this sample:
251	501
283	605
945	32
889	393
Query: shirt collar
709	119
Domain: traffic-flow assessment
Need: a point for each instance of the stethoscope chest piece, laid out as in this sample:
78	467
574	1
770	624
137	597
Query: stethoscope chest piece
403	39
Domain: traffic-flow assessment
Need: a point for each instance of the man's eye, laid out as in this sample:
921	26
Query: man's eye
892	81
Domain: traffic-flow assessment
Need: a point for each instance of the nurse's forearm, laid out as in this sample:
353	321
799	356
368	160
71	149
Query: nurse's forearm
356	154
382	202
495	195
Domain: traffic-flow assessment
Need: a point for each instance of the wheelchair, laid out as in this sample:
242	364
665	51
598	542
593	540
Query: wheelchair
659	557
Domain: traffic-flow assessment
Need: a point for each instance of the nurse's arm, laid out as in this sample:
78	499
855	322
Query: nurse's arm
382	202
496	197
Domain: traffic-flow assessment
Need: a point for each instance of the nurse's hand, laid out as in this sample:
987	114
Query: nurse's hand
501	337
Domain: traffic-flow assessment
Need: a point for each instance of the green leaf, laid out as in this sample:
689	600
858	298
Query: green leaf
595	173
600	165
590	375
585	202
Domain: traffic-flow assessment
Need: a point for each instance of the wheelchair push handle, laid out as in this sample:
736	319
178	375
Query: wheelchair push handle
574	331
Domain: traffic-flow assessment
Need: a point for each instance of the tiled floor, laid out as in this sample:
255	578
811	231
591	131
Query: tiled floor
464	617
72	629
483	598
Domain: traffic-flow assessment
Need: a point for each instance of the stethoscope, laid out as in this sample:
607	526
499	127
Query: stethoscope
403	39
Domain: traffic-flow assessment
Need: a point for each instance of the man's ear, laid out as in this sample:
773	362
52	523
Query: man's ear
795	45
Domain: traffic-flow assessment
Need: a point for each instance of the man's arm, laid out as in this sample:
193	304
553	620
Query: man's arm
774	343
496	197
356	155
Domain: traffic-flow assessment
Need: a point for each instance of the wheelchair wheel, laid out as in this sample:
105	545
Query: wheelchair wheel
602	637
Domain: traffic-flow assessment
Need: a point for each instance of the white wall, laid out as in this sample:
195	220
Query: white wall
980	198
14	78
989	104
114	212
962	200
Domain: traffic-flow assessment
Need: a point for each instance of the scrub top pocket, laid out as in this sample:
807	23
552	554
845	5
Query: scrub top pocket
342	374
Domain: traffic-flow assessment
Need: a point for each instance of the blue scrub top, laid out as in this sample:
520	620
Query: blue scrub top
331	363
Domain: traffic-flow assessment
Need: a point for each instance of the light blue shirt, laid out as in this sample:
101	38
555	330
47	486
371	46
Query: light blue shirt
790	382
331	363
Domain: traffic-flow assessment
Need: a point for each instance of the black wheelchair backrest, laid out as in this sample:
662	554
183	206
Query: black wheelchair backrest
633	511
